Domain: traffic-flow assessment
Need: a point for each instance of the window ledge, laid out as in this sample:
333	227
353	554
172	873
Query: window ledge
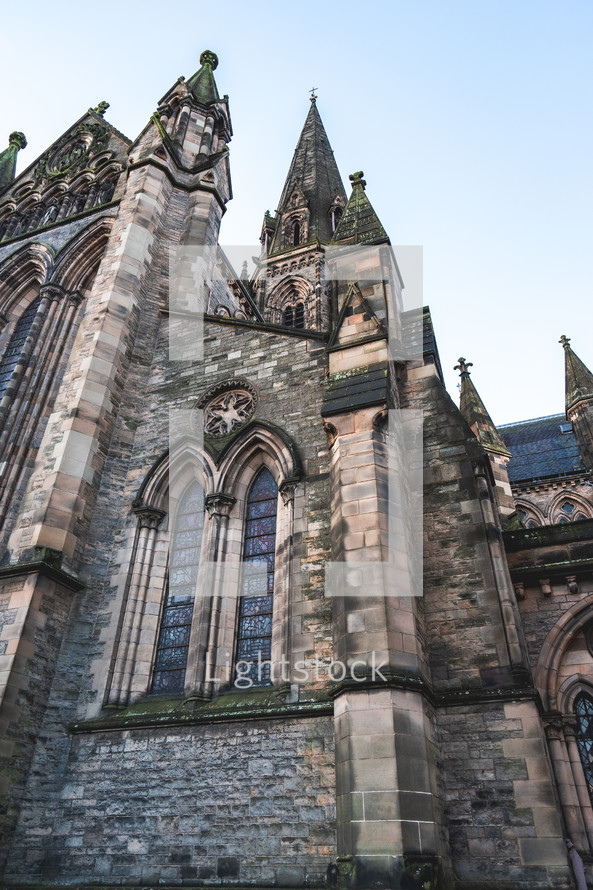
249	704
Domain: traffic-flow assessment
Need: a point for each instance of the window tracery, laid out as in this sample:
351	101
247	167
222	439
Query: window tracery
583	709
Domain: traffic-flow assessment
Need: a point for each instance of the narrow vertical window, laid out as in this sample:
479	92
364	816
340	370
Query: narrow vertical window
287	317
299	315
296	234
173	641
583	710
15	347
254	636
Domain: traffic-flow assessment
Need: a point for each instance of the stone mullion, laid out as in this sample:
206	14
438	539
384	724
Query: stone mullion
149	521
212	572
579	779
281	637
566	788
29	345
53	336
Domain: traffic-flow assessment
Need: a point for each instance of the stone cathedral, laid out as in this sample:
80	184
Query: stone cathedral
182	703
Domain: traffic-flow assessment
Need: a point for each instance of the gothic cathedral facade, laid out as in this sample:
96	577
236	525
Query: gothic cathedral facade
187	456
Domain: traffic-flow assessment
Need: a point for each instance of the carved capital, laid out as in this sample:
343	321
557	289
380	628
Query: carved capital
75	298
287	489
553	727
149	517
219	504
52	292
519	590
570	728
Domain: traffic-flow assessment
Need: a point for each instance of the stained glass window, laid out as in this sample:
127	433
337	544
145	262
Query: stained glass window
15	347
584	713
254	637
173	641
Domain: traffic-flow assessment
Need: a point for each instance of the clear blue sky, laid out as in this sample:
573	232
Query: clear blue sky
471	120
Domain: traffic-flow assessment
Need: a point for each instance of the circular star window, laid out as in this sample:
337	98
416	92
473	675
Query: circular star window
227	406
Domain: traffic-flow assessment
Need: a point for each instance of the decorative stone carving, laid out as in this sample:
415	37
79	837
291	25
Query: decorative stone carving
227	406
219	504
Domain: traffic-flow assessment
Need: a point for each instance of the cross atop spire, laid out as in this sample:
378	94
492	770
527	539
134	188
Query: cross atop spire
313	92
463	366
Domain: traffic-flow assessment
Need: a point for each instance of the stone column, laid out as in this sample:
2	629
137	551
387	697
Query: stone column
124	678
202	658
570	729
565	783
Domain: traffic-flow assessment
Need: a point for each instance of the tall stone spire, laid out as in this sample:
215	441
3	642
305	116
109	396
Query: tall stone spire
16	141
359	223
475	413
579	401
313	191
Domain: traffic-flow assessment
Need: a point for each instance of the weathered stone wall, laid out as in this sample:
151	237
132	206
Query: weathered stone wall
250	801
504	824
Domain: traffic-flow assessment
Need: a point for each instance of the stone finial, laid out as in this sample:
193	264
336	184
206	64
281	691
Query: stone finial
356	179
564	340
101	108
463	366
17	139
313	95
209	58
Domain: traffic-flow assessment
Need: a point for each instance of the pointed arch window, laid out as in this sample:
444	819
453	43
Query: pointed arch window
15	347
288	317
173	640
254	632
583	710
296	234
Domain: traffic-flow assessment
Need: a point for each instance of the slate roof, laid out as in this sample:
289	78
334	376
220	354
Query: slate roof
542	448
343	393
